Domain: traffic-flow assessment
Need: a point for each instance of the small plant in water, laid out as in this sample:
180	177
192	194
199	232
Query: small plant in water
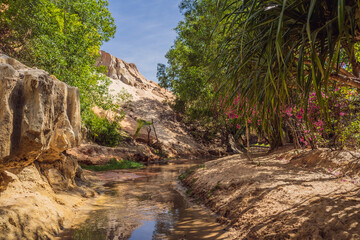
113	165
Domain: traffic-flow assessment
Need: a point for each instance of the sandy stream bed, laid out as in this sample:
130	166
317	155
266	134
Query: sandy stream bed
285	195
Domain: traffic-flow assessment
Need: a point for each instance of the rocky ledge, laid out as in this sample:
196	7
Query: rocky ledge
39	120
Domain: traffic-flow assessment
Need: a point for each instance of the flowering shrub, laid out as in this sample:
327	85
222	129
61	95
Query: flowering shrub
237	118
337	126
329	120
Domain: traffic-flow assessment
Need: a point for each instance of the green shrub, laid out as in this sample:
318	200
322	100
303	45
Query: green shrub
102	131
140	124
113	165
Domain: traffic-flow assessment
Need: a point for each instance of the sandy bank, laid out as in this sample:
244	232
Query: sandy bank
285	195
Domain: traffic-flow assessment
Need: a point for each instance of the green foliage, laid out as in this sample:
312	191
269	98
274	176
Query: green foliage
140	124
122	97
268	55
189	60
62	37
346	128
280	50
161	76
351	133
101	130
113	165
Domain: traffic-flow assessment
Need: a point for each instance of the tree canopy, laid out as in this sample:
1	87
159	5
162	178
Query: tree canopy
190	58
259	59
62	37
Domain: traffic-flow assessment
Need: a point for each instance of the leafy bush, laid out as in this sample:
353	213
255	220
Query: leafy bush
113	165
103	131
140	124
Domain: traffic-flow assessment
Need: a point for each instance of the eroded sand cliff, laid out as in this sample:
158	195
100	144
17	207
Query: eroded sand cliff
150	102
39	120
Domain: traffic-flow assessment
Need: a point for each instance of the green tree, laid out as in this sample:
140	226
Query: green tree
277	51
190	58
161	76
64	37
265	56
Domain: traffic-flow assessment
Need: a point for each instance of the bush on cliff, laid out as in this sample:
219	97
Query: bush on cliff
102	130
64	38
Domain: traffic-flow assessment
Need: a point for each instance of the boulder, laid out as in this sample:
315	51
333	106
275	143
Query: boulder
93	154
39	115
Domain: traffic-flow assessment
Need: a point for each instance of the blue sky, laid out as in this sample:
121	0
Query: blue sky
144	32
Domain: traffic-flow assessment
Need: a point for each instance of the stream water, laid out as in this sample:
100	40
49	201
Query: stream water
148	204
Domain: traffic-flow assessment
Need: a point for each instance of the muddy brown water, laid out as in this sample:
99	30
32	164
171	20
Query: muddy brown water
145	204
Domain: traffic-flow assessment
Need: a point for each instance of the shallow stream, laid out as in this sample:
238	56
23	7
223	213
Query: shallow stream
145	204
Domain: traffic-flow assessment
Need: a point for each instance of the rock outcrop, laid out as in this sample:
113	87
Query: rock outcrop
150	102
39	120
120	70
39	115
93	154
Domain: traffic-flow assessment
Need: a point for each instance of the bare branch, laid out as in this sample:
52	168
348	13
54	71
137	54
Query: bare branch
349	81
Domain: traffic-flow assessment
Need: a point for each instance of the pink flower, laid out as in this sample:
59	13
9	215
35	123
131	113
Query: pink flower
319	123
342	114
238	126
288	111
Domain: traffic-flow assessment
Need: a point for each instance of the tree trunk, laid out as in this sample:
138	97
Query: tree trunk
247	140
349	81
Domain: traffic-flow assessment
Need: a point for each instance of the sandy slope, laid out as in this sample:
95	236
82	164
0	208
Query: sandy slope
150	102
284	195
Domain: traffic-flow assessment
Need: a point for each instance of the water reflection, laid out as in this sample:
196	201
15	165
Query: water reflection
145	232
148	207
